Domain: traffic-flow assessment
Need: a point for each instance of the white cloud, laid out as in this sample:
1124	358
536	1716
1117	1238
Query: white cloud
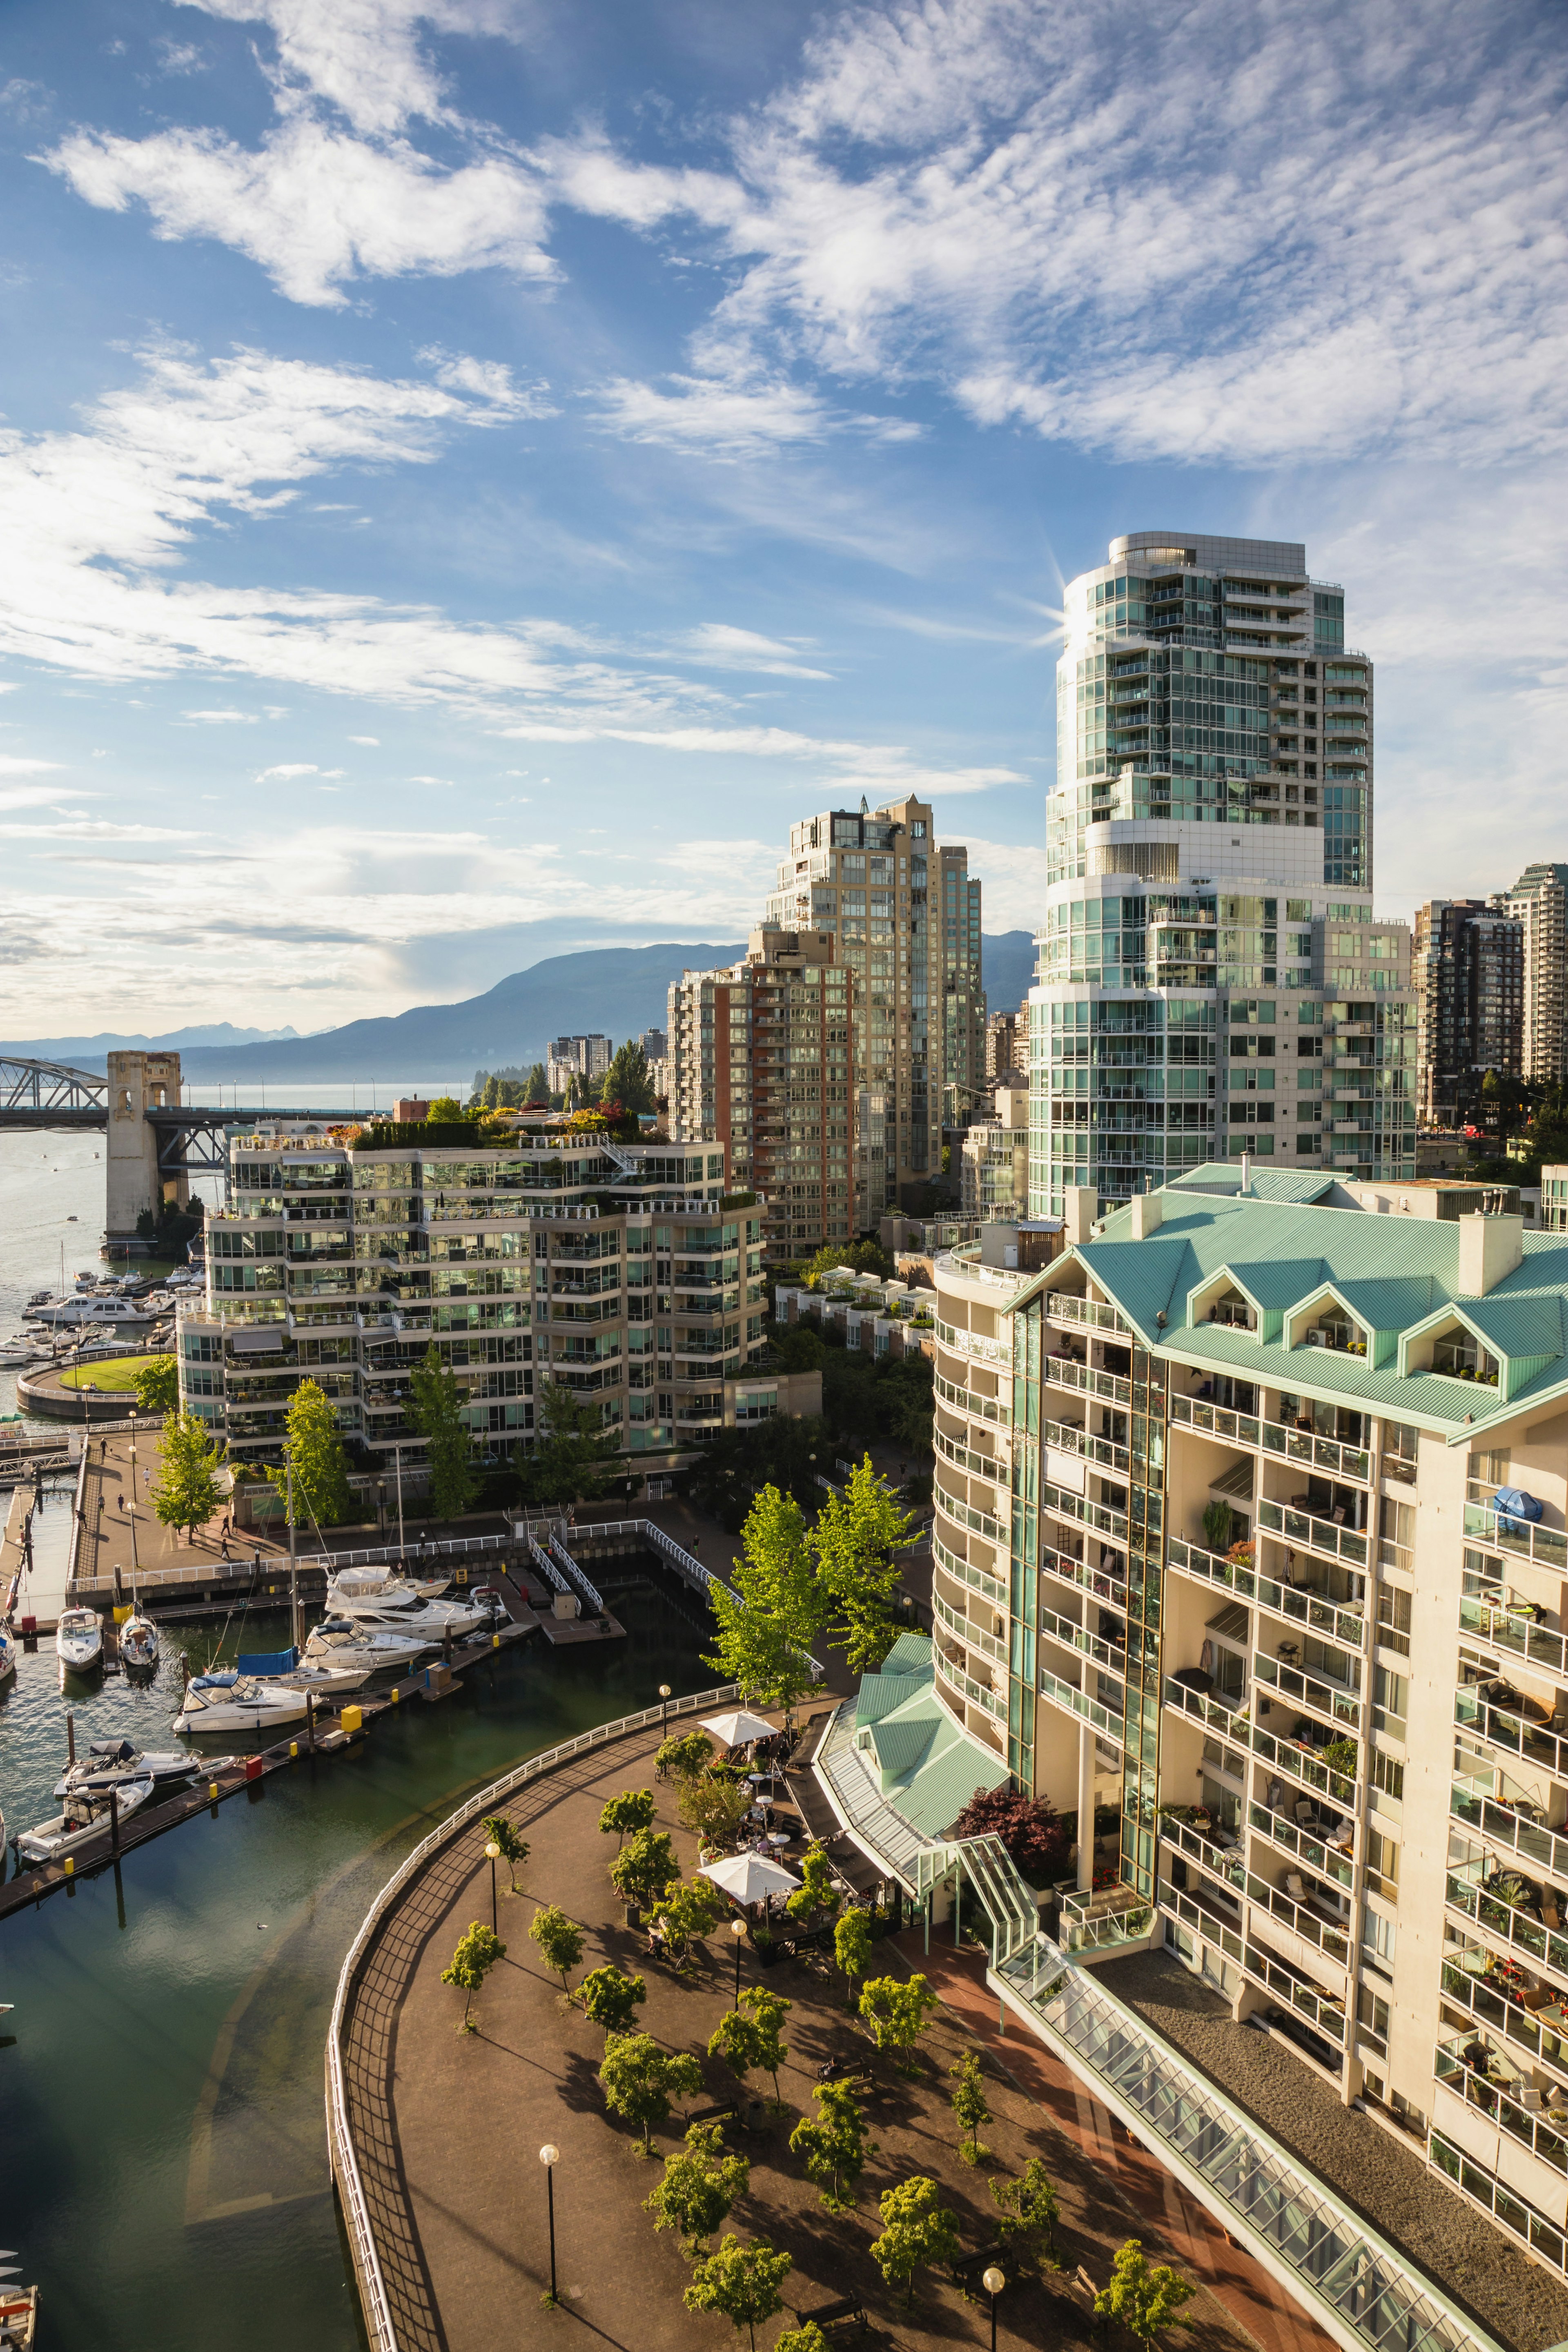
886	770
365	56
374	741
715	644
732	417
223	718
287	768
13	763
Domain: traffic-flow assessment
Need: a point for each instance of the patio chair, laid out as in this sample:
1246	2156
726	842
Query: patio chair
1295	1886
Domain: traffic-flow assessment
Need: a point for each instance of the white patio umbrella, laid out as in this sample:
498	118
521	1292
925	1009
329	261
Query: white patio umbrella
749	1878
734	1730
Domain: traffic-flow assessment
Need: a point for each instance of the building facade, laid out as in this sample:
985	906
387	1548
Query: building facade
588	1057
993	1181
1006	1044
1250	1545
1467	972
1538	902
1212	979
629	1275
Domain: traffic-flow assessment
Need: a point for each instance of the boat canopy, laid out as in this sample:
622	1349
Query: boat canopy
213	1682
267	1662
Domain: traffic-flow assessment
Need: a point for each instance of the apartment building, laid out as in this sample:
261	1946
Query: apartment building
630	1275
1538	902
1468	973
588	1057
762	1057
904	915
1212	979
1006	1044
993	1157
1250	1549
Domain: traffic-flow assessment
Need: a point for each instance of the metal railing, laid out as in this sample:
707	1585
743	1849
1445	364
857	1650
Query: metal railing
967	1631
1509	1729
966	1687
1297	1602
1523	1538
1503	2100
1320	1535
584	1588
1069	1438
1076	1702
979	1408
966	1515
977	1578
1066	1372
1340	1706
1061	1307
377	2310
1078	1572
1502	1825
1515	1632
1290	1838
1473	1890
1545	2040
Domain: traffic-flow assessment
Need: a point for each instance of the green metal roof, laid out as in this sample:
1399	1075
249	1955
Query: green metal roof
930	1765
879	1694
911	1654
1264	1183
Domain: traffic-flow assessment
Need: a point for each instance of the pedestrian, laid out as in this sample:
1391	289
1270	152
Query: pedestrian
224	1529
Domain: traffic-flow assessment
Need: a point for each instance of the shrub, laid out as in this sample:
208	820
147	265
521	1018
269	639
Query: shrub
1029	1827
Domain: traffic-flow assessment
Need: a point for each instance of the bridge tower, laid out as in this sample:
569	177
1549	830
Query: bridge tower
139	1083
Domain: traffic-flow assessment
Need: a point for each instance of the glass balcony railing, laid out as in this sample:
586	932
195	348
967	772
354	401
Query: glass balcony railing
1066	1372
1513	1825
1530	1915
963	1457
964	1572
1485	2080
1066	1505
1323	2011
1110	1657
1511	1724
1297	1764
1100	1922
979	1408
950	1671
1069	1438
1225	1864
1511	1626
967	1631
965	1516
1323	1861
1087	1578
1076	1702
1059	1306
1297	1603
1318	1535
1521	1539
1493	1991
1337	1705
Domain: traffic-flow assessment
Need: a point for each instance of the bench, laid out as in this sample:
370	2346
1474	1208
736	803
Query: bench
848	2312
966	2267
712	2115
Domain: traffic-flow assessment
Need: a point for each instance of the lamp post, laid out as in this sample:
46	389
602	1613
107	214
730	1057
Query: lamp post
492	1851
664	1713
737	1929
135	1565
994	2282
549	2155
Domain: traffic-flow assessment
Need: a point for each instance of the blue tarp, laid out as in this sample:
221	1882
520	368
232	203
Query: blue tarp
1513	1506
267	1662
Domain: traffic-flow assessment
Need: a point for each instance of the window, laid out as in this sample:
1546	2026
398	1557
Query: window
1396	1535
1390	1696
1388	1774
1393	1618
1488	1473
1400	1442
1377	1936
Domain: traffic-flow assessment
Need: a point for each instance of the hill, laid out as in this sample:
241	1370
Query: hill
1007	969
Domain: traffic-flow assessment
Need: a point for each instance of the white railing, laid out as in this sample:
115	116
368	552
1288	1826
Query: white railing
584	1587
548	1569
339	2138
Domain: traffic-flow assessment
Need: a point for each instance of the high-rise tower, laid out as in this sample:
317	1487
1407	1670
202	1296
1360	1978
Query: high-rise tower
1211	980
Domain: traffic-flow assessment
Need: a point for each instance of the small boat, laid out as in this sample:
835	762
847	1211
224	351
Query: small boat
111	1763
286	1668
116	1311
340	1642
234	1702
138	1643
78	1639
7	1655
20	1351
84	1818
18	2317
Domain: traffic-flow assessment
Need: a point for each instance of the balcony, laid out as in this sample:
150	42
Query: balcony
1495	1991
1108	1920
963	1515
1495	1713
1513	1626
950	1670
1070	1437
1325	2012
1070	1570
1323	1536
1485	2078
1220	1714
1067	1372
1528	1914
968	1631
1297	1762
1088	1710
1064	1505
991	1587
1061	1307
1111	1657
1338	1706
969	1343
1298	1603
978	1408
1513	1823
1312	1922
1337	1333
1521	1538
1190	1832
1291	1838
982	1465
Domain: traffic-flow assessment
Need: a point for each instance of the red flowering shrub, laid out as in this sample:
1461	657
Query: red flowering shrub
1029	1827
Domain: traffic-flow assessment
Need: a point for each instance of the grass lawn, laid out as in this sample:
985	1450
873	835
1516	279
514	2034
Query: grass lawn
114	1373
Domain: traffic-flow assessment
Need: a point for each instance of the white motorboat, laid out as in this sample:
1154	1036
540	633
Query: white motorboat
234	1702
121	1313
139	1642
343	1642
18	2317
394	1607
84	1818
21	1350
375	1582
286	1667
78	1639
111	1763
7	1655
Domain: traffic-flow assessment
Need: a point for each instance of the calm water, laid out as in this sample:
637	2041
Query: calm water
163	2162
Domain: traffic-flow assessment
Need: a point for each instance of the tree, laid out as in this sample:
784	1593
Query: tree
640	2079
514	1851
156	1381
1027	2209
444	1108
701	2185
571	1455
852	1947
610	1999
807	2338
627	1081
816	1891
861	1257
437	1412
1144	2300
689	1908
740	2282
475	1957
632	1810
833	2145
783	1451
186	1492
769	2011
971	2107
684	1757
560	1942
1029	1827
313	1451
896	2012
536	1087
643	1866
858	1538
734	2039
714	1806
917	2228
766	1636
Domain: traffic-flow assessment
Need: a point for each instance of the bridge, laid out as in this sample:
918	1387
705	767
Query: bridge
51	1094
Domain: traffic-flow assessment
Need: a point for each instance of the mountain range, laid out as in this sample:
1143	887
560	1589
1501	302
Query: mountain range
618	991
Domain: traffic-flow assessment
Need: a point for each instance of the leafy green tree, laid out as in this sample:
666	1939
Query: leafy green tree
861	1257
784	1451
897	2012
475	1957
573	1455
640	2079
834	2144
536	1087
858	1538
631	1810
313	1450
816	1891
768	2011
1144	2300
970	2106
437	1413
627	1080
444	1107
714	1806
699	2186
185	1492
610	1999
689	1908
766	1636
514	1851
807	2338
1027	2210
918	2230
734	2039
684	1757
852	1947
644	1867
741	2282
560	1942
156	1381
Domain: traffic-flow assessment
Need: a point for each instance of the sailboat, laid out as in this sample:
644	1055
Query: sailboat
138	1643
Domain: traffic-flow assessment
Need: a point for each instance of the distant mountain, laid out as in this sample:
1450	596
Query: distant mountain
1007	969
88	1053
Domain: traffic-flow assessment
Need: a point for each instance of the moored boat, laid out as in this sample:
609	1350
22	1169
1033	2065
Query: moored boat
7	1655
236	1702
18	2317
111	1763
340	1642
83	1820
78	1639
139	1642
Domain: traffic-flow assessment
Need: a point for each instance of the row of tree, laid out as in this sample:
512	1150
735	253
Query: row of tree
626	1082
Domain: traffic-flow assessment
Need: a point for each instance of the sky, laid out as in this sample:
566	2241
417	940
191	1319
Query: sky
473	474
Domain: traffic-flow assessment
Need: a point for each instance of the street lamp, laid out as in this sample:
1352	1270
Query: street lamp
549	2155
994	2282
737	1929
664	1713
493	1853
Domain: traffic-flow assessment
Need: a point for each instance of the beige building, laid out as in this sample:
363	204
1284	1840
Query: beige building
995	1156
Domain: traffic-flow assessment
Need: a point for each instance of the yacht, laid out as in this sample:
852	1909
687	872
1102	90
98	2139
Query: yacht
290	1672
343	1641
233	1702
78	1639
111	1763
118	1313
7	1655
139	1642
396	1608
84	1818
22	1350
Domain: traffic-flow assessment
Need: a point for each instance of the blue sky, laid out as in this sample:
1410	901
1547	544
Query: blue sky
472	474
